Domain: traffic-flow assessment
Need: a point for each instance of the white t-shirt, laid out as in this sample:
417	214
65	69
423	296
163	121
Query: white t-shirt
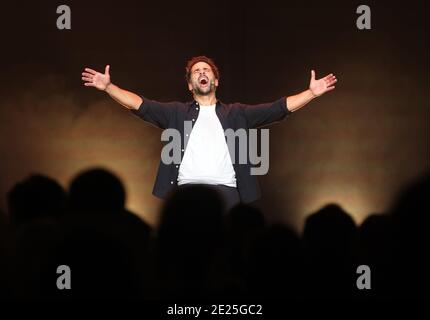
207	159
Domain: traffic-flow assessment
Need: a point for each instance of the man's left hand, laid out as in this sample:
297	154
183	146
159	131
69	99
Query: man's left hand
323	85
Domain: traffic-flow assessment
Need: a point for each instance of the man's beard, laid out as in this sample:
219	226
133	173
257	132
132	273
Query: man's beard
205	92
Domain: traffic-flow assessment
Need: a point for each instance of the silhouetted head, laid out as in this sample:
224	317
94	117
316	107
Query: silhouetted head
189	236
410	214
375	231
36	197
192	213
97	191
330	230
412	205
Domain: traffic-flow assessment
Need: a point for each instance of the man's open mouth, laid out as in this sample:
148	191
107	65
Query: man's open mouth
203	81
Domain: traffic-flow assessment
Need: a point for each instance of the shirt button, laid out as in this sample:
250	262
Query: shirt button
187	134
197	108
182	150
194	119
171	182
177	166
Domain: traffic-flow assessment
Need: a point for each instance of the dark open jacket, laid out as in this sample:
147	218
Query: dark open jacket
233	116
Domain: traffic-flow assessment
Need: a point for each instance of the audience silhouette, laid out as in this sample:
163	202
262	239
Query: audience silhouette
37	197
200	251
330	241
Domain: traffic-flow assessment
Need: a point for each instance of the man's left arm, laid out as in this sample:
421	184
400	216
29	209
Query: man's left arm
316	89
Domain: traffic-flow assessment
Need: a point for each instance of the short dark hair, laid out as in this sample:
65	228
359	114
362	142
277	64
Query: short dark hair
197	59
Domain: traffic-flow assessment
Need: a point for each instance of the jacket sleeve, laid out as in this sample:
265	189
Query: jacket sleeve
259	115
154	112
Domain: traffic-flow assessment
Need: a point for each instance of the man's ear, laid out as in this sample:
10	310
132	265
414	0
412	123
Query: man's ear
190	87
216	82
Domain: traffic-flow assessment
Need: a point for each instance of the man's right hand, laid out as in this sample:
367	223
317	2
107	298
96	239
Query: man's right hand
96	79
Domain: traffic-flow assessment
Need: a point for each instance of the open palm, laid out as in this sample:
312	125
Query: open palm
96	79
323	85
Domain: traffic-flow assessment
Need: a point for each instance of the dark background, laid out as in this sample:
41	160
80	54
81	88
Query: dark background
356	146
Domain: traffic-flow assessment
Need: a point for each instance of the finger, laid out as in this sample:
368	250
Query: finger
330	88
86	74
107	69
87	79
89	84
313	74
328	76
90	70
330	82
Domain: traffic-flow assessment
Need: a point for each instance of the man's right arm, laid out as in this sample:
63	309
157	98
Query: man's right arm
101	81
